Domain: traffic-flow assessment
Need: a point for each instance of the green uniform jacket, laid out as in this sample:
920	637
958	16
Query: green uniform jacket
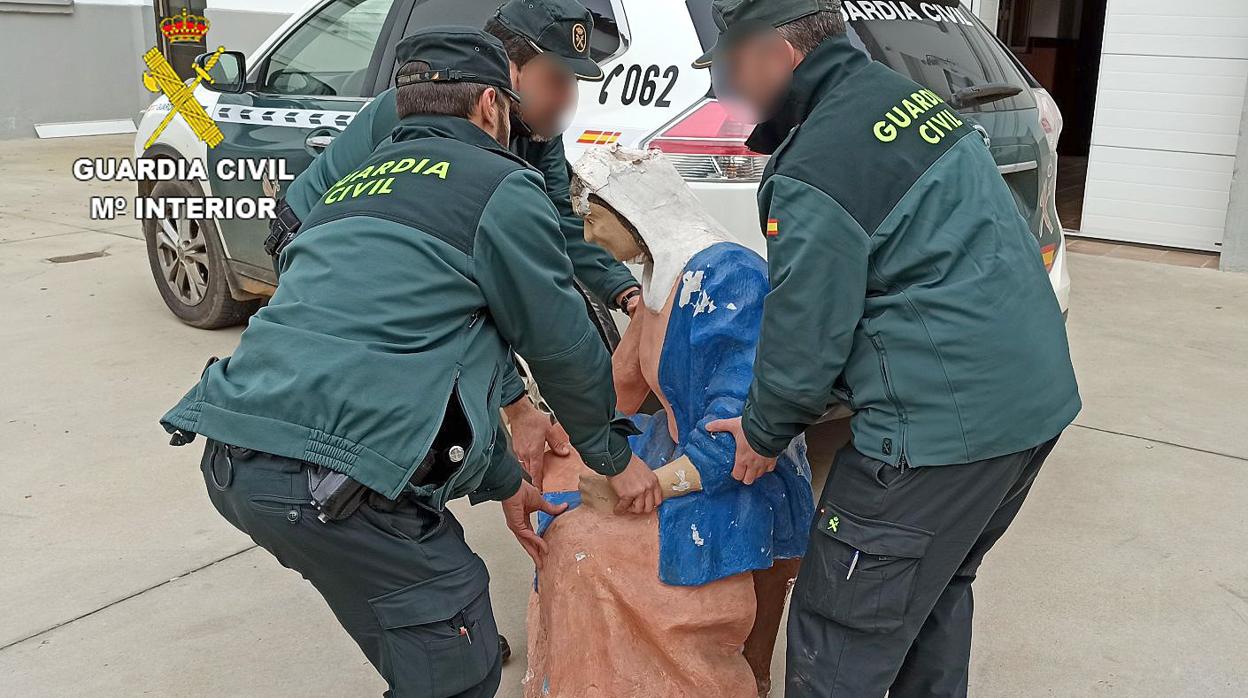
411	282
596	269
905	281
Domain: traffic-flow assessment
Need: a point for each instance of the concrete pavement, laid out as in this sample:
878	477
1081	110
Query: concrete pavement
1124	575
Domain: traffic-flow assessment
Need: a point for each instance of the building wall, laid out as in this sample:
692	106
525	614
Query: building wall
1235	244
94	70
1167	129
986	9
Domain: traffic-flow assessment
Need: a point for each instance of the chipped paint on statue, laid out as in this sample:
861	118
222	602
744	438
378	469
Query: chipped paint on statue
681	601
704	368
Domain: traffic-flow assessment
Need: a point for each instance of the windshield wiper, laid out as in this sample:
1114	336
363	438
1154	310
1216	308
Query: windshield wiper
983	94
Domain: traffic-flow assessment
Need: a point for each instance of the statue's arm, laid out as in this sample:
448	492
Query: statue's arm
676	479
631	389
723	344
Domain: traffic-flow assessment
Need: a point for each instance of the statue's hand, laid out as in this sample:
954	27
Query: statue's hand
597	494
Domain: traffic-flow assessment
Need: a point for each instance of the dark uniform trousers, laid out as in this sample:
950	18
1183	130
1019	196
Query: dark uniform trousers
399	576
897	619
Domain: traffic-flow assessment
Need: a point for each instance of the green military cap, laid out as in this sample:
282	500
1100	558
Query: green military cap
738	17
456	54
559	27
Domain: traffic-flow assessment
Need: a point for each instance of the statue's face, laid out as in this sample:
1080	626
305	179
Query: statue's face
604	227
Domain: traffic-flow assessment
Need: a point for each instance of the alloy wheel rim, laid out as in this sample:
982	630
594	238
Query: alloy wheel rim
182	250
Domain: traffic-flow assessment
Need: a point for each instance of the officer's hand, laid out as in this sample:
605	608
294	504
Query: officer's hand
629	300
518	510
638	488
531	431
749	465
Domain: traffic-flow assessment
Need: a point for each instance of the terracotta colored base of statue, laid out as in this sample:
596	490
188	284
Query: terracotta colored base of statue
606	627
685	603
613	560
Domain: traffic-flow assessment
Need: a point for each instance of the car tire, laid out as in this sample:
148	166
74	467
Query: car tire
188	265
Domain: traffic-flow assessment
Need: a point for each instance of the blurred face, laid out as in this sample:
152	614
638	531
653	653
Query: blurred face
548	94
604	228
755	72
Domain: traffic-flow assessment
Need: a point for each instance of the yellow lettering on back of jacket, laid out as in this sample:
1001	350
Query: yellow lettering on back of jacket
373	180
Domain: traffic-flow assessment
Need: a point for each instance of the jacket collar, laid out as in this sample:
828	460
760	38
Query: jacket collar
438	126
519	129
814	80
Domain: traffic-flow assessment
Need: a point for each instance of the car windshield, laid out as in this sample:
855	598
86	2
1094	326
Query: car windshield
938	44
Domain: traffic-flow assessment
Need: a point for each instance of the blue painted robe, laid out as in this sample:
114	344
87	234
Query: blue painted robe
705	370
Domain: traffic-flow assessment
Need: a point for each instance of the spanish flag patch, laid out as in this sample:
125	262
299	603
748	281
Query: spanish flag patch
773	227
599	137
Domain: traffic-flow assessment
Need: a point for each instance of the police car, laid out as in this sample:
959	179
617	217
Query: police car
302	86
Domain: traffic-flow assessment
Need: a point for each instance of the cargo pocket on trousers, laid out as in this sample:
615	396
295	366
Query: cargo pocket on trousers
864	570
439	638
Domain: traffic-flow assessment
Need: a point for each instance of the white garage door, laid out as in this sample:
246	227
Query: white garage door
1169	104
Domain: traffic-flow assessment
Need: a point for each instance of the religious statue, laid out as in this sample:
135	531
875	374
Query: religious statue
685	602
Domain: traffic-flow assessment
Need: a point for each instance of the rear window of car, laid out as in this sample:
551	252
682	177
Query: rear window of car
938	44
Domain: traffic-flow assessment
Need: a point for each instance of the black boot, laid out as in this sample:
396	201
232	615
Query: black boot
504	649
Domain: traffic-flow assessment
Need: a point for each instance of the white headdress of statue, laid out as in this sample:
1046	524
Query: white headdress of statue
646	190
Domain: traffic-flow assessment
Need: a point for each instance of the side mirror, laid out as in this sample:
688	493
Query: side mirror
222	72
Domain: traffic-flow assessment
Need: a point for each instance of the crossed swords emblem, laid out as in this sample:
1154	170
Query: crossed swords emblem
161	77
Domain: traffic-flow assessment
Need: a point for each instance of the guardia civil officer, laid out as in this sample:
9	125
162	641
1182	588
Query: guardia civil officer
366	395
907	285
548	42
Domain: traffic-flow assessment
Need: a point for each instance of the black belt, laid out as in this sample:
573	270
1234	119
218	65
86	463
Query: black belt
336	495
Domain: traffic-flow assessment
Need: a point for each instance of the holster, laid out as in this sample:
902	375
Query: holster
283	229
335	495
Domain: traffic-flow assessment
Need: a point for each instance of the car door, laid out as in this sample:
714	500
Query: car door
300	95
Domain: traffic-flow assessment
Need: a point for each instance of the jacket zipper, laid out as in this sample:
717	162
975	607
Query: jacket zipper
892	396
472	428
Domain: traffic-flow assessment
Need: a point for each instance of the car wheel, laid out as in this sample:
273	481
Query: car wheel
189	267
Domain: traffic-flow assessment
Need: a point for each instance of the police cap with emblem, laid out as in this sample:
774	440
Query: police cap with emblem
736	18
561	28
455	54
